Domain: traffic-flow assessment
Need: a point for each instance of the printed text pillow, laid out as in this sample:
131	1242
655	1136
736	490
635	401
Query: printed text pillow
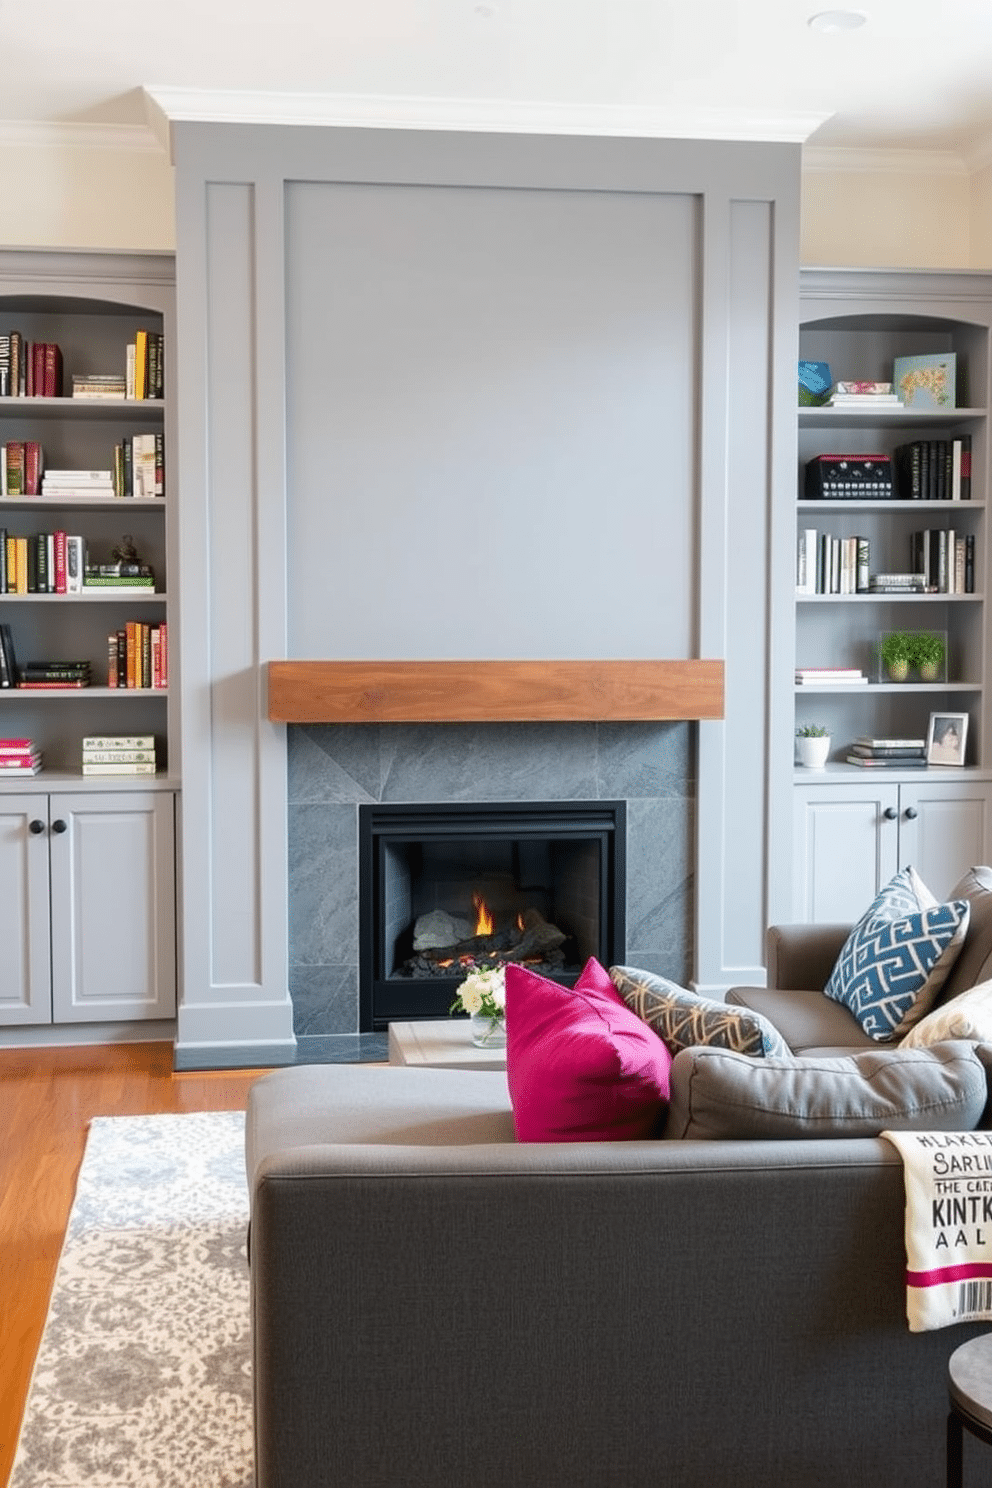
898	956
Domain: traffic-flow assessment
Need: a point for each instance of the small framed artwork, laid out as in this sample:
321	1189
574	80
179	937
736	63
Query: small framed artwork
946	738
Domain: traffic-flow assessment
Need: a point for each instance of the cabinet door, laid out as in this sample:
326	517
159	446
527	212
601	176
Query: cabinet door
113	906
944	829
25	973
845	848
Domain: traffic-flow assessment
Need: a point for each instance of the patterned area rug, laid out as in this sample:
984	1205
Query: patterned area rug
143	1375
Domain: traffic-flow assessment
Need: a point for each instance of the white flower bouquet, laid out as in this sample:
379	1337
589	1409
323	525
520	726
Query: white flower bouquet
482	993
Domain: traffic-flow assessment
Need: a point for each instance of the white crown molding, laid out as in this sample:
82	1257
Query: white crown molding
29	134
167	105
849	161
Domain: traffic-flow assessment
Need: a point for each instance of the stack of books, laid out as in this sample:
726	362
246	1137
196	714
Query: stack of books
63	483
868	395
894	754
830	677
19	757
118	577
54	674
98	385
119	754
898	583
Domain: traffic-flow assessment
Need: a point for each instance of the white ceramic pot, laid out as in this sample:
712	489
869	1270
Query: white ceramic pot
813	752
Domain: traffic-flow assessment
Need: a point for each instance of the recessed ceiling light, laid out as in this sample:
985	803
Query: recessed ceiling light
837	20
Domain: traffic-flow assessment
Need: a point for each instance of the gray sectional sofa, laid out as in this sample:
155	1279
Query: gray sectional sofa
435	1305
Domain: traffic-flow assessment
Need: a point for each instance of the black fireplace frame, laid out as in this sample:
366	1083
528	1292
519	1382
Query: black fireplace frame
381	998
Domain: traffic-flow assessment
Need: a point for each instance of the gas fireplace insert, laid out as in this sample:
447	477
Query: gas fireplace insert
445	888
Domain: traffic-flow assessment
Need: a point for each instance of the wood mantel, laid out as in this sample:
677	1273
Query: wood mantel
493	691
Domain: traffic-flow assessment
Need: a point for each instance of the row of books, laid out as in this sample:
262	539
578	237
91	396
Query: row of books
143	375
920	470
934	469
29	369
138	655
138	470
34	369
941	561
59	563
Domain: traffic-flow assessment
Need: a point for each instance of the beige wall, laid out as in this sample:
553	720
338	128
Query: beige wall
85	187
902	210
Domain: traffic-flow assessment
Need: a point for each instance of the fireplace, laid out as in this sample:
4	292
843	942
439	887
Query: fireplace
443	888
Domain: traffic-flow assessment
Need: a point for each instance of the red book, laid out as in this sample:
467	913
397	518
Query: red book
52	685
36	368
163	655
59	546
52	371
16	749
32	467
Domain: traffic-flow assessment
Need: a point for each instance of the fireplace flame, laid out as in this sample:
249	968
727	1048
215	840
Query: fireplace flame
484	923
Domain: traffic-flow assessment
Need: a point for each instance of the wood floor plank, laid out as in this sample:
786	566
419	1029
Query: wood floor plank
47	1097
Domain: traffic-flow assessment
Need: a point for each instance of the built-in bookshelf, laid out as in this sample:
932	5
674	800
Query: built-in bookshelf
110	319
78	837
860	323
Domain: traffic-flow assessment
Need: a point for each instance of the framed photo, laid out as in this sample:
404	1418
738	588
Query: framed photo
946	738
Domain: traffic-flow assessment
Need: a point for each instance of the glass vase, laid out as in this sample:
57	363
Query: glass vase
488	1033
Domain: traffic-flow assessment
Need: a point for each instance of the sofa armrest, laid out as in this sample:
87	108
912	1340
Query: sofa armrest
803	956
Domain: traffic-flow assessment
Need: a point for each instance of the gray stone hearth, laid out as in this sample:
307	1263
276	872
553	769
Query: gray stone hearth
334	768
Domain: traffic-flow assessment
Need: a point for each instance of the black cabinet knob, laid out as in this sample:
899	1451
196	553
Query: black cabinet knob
36	826
890	813
59	825
911	813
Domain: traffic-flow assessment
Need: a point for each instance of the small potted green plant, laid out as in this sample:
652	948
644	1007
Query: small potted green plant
928	651
812	745
897	654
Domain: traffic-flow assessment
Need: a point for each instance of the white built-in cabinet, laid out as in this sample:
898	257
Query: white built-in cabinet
851	836
87	917
88	865
852	827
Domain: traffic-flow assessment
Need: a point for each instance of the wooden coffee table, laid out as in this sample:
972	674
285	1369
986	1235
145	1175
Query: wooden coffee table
444	1043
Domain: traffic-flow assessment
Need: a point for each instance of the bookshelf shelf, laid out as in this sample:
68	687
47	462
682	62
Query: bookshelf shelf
87	409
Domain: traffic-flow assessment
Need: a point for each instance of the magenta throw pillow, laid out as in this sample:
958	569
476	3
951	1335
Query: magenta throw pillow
581	1067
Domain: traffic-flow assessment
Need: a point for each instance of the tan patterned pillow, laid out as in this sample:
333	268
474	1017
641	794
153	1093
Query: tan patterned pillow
682	1020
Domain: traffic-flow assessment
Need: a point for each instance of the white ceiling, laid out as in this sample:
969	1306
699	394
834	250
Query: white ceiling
916	77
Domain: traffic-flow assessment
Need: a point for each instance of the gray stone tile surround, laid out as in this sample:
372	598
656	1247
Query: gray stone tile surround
335	768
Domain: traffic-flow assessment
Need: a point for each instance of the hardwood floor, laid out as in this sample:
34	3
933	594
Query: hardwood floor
47	1096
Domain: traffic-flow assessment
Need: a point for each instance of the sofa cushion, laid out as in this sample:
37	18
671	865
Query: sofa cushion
967	1016
580	1066
717	1093
682	1019
974	963
898	956
806	1020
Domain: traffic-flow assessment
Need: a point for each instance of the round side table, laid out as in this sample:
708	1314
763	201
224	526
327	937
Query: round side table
969	1380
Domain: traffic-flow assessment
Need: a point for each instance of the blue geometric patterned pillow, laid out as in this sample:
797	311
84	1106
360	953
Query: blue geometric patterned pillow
898	956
